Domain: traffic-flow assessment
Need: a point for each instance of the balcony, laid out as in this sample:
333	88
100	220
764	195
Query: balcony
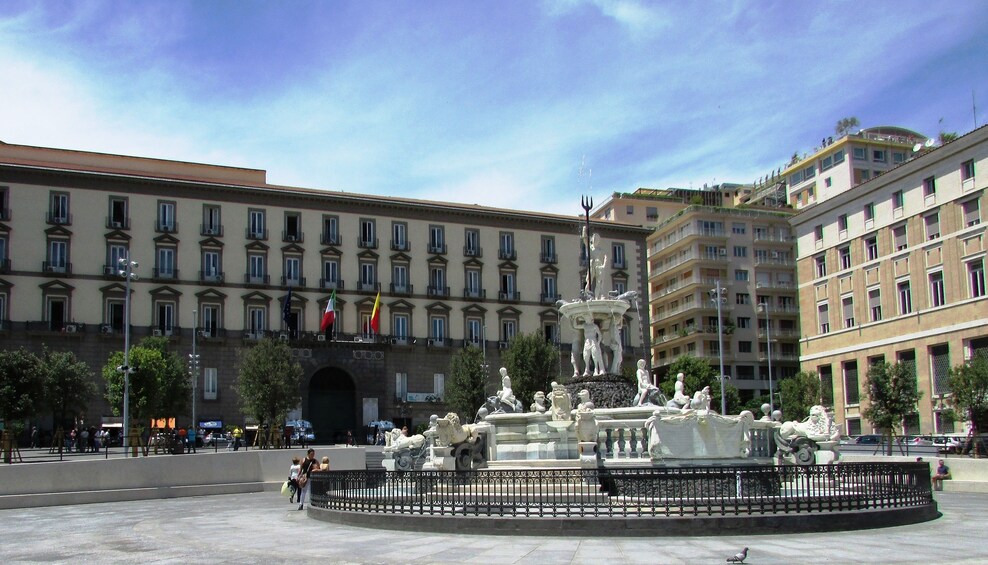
775	262
549	257
329	239
256	233
621	264
438	291
507	254
692	231
437	248
117	223
438	342
367	243
293	281
472	251
548	298
292	236
401	289
777	285
167	274
58	219
215	277
763	237
400	245
509	296
775	334
165	227
329	284
364	286
214	230
56	267
257	279
475	293
165	331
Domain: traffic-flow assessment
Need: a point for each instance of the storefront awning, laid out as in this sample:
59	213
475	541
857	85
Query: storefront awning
211	424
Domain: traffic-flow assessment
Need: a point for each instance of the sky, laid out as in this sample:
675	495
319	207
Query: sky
524	104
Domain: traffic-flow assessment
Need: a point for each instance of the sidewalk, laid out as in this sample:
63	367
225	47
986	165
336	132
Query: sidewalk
265	528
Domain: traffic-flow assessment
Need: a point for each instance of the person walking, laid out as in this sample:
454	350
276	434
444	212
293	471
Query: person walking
293	473
309	464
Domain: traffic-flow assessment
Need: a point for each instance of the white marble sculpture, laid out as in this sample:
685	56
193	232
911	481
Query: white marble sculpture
819	427
560	402
396	441
701	399
538	406
584	401
587	427
597	262
814	440
647	392
697	434
617	350
574	355
591	349
679	397
505	397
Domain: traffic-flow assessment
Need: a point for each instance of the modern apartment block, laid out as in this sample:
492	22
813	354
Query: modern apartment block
894	270
750	253
838	165
222	246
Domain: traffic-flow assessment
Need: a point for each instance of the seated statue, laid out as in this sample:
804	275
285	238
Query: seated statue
505	397
647	392
538	406
560	401
701	399
585	404
679	397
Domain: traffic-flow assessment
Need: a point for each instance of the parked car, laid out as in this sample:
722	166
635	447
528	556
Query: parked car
919	441
301	431
870	439
948	444
216	439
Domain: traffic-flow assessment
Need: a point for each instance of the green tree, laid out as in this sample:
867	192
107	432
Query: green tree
269	381
845	125
21	385
532	363
892	395
969	391
465	387
68	385
697	374
159	384
799	393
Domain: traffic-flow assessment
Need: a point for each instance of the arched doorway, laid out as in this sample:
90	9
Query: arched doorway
332	405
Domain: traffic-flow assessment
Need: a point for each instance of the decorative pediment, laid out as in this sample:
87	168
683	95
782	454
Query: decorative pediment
5	284
549	314
117	235
401	305
115	288
508	266
257	246
474	309
549	270
211	242
331	251
438	260
367	255
293	248
4	228
56	286
365	303
58	231
164	291
296	299
473	262
166	239
323	301
210	294
438	307
509	312
401	258
256	296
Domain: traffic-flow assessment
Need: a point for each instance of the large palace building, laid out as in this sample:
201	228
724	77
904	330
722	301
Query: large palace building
894	270
218	249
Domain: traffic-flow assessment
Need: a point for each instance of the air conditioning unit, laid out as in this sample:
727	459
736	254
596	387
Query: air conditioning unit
283	336
106	329
117	224
210	231
205	334
321	337
502	344
71	328
291	237
157	333
51	268
775	255
723	252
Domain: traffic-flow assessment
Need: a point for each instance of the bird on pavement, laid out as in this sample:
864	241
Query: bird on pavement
739	557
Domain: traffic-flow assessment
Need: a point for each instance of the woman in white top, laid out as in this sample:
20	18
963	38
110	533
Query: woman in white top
293	472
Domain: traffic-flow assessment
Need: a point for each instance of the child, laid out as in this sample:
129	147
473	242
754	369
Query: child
293	472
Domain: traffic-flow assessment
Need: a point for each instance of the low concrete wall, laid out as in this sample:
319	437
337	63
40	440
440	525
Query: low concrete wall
165	476
967	474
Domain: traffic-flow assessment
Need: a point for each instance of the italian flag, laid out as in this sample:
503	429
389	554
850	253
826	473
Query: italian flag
375	321
329	316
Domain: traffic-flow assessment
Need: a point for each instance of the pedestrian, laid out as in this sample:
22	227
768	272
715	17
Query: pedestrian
942	474
34	437
293	473
349	438
309	464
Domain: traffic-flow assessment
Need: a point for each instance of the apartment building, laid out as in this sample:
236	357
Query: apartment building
220	250
652	206
837	165
747	252
894	271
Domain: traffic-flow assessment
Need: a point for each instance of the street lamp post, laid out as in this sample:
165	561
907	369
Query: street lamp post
194	365
127	271
717	295
768	346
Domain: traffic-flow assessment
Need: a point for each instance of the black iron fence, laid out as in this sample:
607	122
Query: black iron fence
672	491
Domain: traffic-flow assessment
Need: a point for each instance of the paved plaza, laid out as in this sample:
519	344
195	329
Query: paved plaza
265	528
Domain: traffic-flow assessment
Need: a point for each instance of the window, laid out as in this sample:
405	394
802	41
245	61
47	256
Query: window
976	274
293	227
472	246
878	156
897	200
438	384
967	174
255	225
211	220
508	330
740	251
842	223
330	230
929	186
847	308
869	212
875	304
871	247
165	317
898	157
740	275
932	222
651	213
743	322
821	266
293	271
472	289
937	297
399	278
851	392
166	263
166	217
437	328
549	288
58	256
828	182
256	273
330	272
818	233
506	250
118	213
738	228
859	153
368	276
475	332
899	237
826	384
618	256
972	213
209	383
399	237
437	281
845	257
744	347
368	233
115	253
437	239
549	249
629	210
401	386
742	298
211	266
508	286
210	319
399	326
905	298
257	319
809	172
58	209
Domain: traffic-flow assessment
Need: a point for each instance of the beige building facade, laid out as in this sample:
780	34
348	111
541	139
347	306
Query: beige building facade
893	270
219	248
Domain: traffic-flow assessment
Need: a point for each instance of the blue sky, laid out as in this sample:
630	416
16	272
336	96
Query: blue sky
493	103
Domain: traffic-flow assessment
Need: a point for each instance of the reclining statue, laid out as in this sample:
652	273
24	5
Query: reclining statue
799	441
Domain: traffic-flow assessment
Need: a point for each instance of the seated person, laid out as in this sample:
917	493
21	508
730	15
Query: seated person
941	474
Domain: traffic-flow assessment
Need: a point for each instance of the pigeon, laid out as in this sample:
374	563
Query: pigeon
739	557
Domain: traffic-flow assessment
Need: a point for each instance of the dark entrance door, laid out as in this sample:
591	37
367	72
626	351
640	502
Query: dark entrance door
332	405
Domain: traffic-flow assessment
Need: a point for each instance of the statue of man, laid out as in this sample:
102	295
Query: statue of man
538	406
617	350
597	260
679	396
645	386
574	355
507	398
591	348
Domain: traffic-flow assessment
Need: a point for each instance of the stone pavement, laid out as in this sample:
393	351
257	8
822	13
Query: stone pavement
265	528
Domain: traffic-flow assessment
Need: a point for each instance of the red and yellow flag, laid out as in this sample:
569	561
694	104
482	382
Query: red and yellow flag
375	321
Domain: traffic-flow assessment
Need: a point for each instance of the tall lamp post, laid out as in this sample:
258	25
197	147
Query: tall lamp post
127	271
717	295
194	366
768	346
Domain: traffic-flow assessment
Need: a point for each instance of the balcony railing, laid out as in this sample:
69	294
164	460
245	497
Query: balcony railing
507	254
549	257
437	248
367	243
292	236
257	279
59	219
56	267
368	286
327	284
214	230
475	293
548	298
211	276
438	291
469	251
329	239
509	295
165	227
292	281
400	245
117	223
402	289
157	273
251	233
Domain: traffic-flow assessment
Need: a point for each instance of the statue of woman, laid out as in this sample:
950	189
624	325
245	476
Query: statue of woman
507	398
680	397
